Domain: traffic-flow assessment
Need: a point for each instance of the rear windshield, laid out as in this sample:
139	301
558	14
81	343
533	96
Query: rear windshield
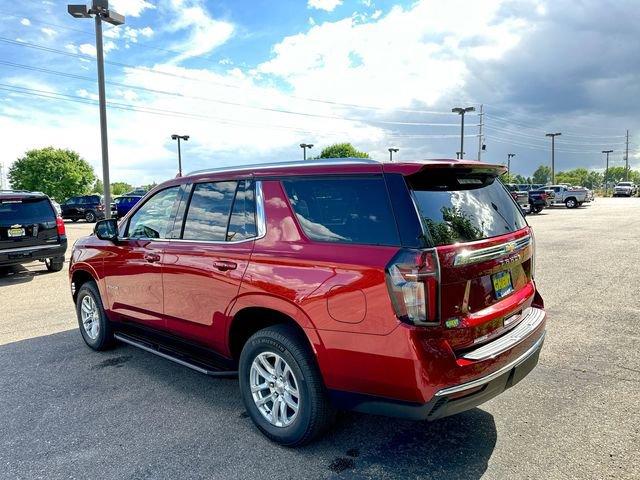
26	211
458	207
353	209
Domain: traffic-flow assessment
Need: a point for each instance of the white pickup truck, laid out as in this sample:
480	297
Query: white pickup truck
570	196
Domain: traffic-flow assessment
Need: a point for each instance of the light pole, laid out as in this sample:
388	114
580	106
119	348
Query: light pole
391	152
509	157
461	111
178	138
606	172
304	147
100	11
553	155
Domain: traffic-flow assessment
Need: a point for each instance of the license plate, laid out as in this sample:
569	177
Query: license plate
502	284
15	232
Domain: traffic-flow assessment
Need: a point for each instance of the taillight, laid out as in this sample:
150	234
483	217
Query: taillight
412	280
100	207
60	226
544	196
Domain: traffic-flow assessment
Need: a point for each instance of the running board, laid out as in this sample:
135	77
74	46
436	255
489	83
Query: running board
185	360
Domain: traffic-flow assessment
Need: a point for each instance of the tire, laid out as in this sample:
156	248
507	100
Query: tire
54	264
538	209
314	412
90	217
100	337
571	203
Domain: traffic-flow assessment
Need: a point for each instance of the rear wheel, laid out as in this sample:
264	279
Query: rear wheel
281	387
92	319
90	217
571	203
54	264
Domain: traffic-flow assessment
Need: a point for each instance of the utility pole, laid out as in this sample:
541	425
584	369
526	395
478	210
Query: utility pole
461	111
509	157
101	12
626	159
553	155
304	147
481	115
178	138
391	152
606	172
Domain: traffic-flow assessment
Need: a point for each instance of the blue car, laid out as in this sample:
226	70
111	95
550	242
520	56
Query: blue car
121	205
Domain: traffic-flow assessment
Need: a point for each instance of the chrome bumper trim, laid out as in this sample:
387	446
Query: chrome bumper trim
532	318
34	247
492	376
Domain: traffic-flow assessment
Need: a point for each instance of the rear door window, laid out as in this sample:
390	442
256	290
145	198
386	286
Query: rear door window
463	207
242	224
354	209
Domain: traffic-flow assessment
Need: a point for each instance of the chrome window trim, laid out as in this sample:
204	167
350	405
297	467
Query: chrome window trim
478	382
468	257
261	227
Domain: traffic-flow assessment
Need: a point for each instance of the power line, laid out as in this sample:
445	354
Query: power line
539	138
223	102
222	84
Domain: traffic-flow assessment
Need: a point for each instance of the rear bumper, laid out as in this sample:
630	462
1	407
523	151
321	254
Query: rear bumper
18	255
449	400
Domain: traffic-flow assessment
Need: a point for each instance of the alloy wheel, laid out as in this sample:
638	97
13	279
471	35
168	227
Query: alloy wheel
274	389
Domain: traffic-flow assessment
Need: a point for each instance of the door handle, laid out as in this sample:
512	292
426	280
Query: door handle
152	257
224	265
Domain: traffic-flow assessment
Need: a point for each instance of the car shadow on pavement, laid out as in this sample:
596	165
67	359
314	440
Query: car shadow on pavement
16	274
147	417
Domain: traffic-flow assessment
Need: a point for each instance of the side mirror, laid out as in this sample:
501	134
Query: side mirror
107	229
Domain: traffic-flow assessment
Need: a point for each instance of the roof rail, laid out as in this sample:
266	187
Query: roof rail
296	163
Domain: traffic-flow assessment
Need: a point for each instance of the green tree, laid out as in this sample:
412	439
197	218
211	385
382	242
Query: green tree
542	175
98	187
342	150
58	173
120	188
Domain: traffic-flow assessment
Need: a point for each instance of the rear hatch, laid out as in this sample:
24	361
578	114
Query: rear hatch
27	221
484	248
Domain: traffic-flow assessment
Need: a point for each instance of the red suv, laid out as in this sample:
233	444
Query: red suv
403	289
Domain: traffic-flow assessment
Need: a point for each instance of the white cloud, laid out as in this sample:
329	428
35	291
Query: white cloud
328	5
131	7
417	54
50	32
86	94
205	32
90	49
26	22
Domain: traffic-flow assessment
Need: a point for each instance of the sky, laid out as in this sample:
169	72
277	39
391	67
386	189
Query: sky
249	80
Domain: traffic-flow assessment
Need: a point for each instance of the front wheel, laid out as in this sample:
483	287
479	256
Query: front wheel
90	217
281	387
92	319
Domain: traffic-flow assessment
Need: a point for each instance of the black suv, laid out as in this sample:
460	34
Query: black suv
87	207
30	230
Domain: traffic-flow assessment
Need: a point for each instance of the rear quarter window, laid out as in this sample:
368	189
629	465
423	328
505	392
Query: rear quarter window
343	209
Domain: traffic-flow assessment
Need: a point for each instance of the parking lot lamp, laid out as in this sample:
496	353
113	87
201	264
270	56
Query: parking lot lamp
509	157
606	172
178	138
304	147
461	111
553	155
99	10
391	152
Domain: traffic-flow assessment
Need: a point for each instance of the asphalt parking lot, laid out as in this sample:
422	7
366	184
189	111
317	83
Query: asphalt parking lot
68	412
